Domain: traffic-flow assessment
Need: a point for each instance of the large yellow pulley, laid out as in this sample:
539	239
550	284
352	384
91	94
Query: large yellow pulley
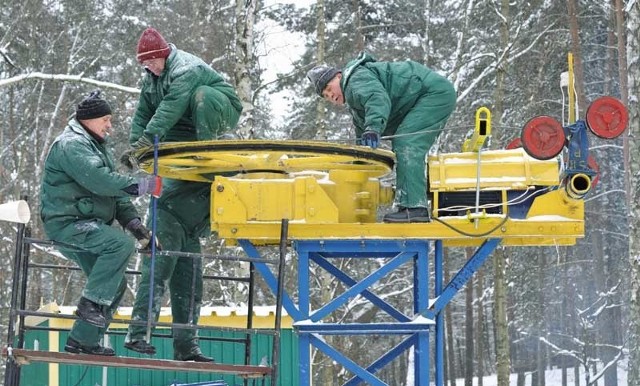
258	181
202	161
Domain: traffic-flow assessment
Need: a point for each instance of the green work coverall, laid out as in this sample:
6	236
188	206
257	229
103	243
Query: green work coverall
189	101
402	99
80	198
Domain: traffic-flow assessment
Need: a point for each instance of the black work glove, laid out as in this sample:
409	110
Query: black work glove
370	138
129	160
143	141
142	234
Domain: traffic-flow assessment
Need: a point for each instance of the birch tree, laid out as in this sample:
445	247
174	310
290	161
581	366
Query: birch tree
633	47
321	108
245	21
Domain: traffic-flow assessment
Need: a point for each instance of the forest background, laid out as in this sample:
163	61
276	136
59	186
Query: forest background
570	307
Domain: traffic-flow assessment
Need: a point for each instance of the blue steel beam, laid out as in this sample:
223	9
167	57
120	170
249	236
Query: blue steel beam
399	251
385	359
346	362
346	279
462	277
364	328
366	248
361	286
421	303
270	279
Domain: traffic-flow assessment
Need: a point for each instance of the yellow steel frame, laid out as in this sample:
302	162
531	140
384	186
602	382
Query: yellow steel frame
330	191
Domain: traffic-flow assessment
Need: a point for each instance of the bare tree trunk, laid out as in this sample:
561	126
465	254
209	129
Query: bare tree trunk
461	37
468	331
503	356
245	21
624	93
541	350
563	314
606	334
480	325
426	38
321	108
574	30
633	47
611	52
359	38
450	352
501	71
500	313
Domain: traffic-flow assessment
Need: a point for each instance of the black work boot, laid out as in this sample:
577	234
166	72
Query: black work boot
407	215
91	313
141	346
74	347
194	355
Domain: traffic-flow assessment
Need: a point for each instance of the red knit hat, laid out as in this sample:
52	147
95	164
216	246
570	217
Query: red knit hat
152	46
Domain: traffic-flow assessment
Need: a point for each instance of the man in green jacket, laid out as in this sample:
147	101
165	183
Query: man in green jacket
81	196
404	100
182	99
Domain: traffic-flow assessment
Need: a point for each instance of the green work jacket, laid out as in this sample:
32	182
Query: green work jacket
380	94
80	183
164	108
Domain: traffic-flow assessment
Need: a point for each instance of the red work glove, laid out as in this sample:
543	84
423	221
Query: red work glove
150	185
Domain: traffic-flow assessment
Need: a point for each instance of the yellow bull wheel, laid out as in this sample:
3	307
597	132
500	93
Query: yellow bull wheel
202	161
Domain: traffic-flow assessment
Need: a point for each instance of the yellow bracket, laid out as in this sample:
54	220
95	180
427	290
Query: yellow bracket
481	131
471	216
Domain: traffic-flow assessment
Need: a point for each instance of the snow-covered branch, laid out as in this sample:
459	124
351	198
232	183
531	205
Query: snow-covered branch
68	78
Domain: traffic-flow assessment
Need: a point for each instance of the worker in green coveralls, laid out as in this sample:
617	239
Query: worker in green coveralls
182	99
404	100
82	195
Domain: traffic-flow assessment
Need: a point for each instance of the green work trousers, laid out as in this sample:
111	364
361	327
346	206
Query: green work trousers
212	113
182	217
102	252
413	138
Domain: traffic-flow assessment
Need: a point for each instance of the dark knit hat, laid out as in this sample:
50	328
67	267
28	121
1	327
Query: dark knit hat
320	76
93	106
152	46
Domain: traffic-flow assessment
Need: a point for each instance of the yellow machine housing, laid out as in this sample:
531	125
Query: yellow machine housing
337	196
334	191
468	182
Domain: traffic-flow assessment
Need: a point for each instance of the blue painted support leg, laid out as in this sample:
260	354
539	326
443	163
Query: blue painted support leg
462	277
311	328
421	304
304	359
270	278
304	341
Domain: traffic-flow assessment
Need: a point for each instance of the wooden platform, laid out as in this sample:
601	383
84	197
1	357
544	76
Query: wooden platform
25	357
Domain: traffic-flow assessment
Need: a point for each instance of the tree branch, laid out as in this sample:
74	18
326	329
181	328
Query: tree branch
68	78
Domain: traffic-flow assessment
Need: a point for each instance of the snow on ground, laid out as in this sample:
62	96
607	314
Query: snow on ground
552	378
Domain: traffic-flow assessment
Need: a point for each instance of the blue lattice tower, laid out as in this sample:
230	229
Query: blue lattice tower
419	328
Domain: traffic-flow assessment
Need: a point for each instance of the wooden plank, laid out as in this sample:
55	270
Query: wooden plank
25	357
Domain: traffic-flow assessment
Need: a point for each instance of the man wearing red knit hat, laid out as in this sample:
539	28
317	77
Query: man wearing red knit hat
182	99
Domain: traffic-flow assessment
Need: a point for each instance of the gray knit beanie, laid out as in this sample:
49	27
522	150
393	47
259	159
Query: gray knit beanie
320	76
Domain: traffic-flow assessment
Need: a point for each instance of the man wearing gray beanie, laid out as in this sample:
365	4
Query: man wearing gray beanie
405	101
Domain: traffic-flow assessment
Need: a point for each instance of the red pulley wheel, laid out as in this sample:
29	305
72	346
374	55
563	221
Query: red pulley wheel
514	144
543	137
607	117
